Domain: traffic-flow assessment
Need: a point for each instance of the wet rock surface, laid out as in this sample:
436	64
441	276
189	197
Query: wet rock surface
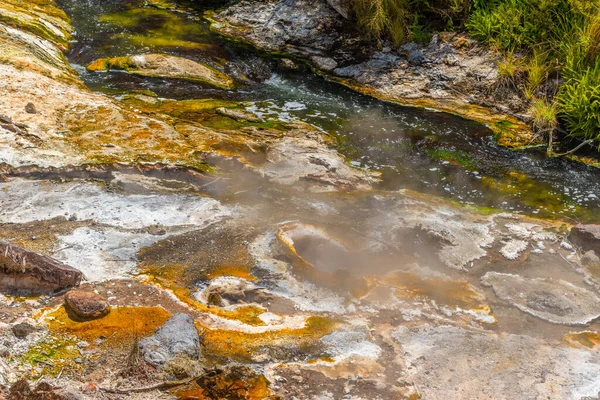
451	73
86	305
165	66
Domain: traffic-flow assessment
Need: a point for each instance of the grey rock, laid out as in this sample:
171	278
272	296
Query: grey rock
324	63
302	28
177	337
417	57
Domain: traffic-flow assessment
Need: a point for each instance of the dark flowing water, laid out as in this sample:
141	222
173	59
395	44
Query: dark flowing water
417	149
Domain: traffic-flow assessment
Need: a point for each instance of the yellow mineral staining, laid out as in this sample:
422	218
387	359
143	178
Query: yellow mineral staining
122	324
167	277
167	132
165	66
591	161
108	135
326	359
39	17
235	271
588	339
33	35
240	383
454	294
244	347
25	51
194	110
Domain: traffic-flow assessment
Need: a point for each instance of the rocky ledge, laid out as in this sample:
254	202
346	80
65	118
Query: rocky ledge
452	73
26	272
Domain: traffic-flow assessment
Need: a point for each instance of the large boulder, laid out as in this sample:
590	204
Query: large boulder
165	66
28	273
86	305
177	337
587	237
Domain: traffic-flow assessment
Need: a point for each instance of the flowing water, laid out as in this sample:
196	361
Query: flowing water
422	150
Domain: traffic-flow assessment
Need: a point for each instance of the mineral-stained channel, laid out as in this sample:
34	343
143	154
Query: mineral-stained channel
221	254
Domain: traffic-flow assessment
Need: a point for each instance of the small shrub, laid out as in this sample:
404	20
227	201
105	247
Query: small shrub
379	18
537	72
544	116
510	66
579	100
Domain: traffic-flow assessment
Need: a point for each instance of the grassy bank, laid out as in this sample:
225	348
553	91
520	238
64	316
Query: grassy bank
550	49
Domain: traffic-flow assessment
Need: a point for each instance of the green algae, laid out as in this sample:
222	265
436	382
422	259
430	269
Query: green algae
39	17
205	112
165	29
165	66
457	157
532	193
52	354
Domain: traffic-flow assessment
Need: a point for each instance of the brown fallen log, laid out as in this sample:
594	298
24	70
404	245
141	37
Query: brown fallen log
25	272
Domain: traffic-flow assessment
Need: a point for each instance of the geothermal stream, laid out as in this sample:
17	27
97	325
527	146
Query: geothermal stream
336	245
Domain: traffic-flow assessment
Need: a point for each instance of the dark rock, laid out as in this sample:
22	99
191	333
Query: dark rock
5	119
28	273
12	128
30	108
249	70
215	299
21	390
23	330
586	236
177	337
86	305
417	57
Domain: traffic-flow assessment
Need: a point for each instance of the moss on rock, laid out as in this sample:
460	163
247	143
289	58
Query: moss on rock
165	66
